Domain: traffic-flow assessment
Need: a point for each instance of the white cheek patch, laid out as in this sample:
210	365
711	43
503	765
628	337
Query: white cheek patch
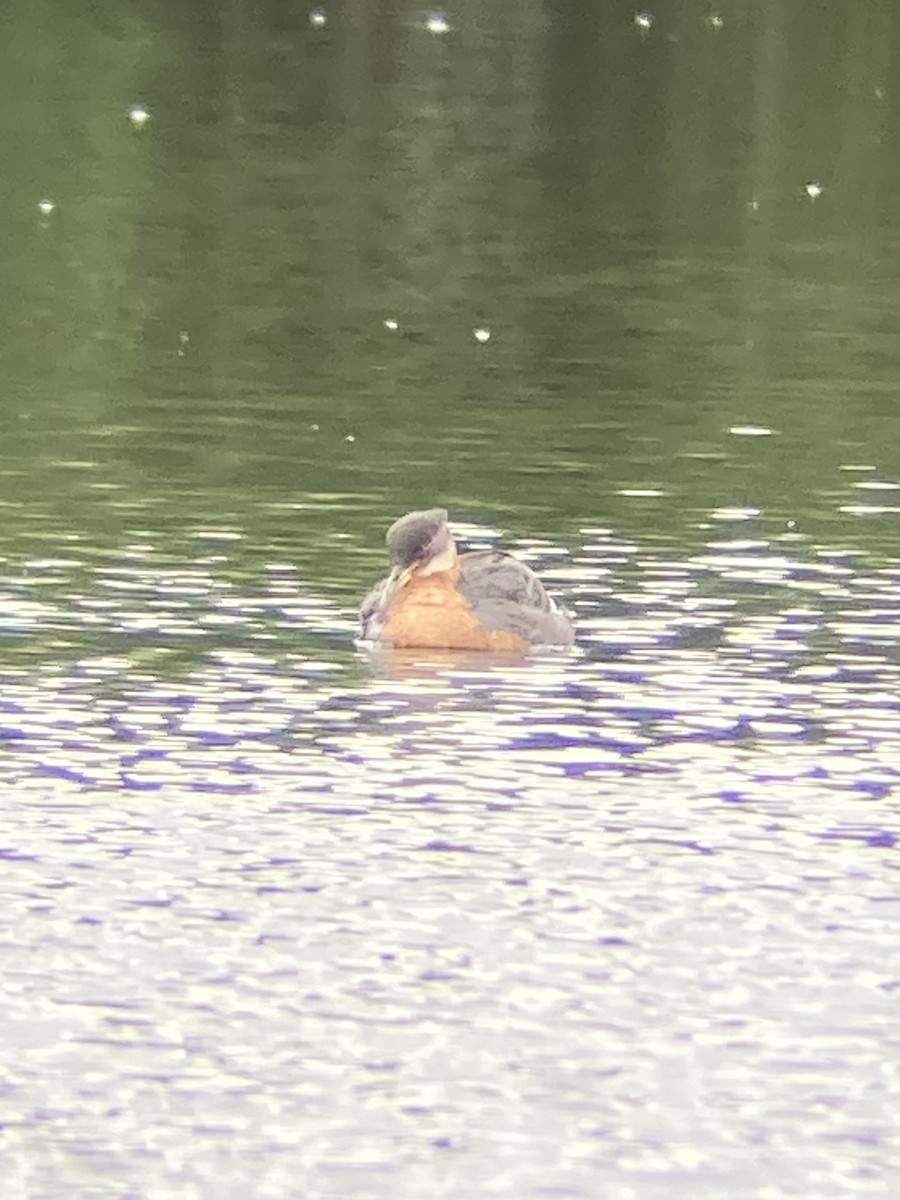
445	561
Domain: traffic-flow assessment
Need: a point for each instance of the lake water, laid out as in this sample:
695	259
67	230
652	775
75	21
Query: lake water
285	917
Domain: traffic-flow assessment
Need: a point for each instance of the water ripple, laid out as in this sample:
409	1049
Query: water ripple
252	874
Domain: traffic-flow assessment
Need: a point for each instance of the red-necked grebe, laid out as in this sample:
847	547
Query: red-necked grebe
436	598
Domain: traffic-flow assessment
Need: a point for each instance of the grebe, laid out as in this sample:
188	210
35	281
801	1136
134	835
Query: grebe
436	598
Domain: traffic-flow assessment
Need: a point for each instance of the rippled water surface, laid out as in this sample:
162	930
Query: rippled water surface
282	915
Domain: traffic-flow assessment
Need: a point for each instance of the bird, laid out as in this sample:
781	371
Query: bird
436	598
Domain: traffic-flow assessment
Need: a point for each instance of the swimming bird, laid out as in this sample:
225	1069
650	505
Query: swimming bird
436	598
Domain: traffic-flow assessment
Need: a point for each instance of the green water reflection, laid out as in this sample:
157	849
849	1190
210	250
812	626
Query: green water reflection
257	312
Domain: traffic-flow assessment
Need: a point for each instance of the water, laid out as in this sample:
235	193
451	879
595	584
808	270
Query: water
282	916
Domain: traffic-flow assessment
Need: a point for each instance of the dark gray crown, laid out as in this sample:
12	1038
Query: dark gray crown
416	537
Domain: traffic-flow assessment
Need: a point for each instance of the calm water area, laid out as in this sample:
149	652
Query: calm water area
282	916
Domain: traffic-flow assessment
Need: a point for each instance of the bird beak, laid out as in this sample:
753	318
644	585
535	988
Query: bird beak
396	581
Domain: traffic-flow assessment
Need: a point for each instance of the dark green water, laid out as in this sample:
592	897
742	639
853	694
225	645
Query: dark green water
197	328
279	919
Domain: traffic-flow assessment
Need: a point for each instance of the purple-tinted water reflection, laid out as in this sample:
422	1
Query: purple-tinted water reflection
622	918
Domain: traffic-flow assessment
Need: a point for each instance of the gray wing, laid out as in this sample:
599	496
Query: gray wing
506	594
371	615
